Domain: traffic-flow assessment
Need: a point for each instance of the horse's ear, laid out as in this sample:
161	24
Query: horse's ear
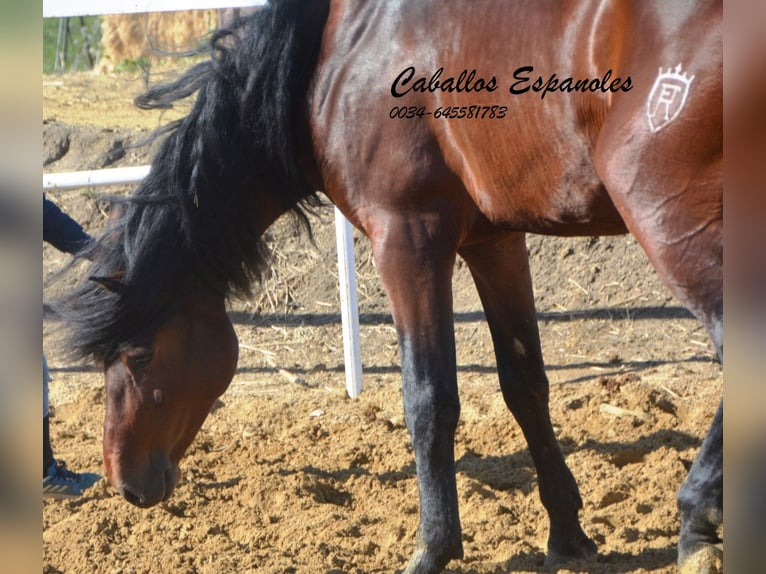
110	284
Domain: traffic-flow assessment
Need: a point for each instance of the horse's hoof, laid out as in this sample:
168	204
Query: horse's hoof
584	552
554	560
425	561
707	559
421	562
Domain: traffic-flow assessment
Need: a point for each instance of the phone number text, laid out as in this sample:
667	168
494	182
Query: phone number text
449	112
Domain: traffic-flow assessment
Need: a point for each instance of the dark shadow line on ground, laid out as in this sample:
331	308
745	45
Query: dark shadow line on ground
317	319
606	369
610	369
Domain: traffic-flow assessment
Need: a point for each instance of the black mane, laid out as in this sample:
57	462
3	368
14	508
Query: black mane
190	222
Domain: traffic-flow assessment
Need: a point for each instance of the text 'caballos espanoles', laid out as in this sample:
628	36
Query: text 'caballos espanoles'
524	81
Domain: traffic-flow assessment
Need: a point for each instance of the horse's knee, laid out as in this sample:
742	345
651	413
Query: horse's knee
429	414
428	410
527	397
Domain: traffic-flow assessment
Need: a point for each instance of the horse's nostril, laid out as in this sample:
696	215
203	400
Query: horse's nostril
131	496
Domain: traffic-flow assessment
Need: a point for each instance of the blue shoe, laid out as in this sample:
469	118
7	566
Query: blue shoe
63	483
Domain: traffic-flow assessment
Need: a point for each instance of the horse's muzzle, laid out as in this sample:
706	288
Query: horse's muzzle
153	492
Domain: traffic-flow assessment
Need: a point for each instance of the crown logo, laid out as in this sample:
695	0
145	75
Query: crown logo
668	97
675	74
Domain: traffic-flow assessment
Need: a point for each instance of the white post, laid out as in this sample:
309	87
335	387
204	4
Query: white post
349	310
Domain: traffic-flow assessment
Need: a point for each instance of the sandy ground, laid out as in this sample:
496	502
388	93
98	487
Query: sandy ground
295	477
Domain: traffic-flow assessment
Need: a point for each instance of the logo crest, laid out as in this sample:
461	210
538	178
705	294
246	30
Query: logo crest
667	98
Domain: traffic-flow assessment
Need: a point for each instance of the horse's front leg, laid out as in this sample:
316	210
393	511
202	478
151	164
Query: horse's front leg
415	263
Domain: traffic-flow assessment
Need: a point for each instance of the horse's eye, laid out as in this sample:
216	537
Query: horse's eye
140	361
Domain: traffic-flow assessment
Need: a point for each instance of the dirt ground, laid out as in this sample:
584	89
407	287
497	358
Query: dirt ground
288	475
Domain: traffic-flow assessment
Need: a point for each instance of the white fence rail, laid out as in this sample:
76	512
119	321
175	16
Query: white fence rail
128	175
94	178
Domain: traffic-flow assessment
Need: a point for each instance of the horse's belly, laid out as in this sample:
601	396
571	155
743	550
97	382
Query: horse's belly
571	212
537	188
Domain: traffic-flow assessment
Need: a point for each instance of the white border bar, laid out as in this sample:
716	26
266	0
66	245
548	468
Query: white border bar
67	8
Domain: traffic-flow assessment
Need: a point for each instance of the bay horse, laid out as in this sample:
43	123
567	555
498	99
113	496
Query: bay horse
439	128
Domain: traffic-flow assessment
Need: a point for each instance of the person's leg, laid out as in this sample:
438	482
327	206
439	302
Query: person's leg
58	480
48	459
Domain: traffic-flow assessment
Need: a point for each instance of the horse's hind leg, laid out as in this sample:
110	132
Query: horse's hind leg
689	259
500	269
414	259
668	188
692	268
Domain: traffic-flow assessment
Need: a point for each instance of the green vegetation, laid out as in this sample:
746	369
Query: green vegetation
133	65
83	45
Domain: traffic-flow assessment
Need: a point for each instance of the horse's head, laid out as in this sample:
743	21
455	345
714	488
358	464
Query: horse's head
158	393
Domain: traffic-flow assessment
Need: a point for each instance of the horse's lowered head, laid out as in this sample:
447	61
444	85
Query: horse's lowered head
159	389
161	379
